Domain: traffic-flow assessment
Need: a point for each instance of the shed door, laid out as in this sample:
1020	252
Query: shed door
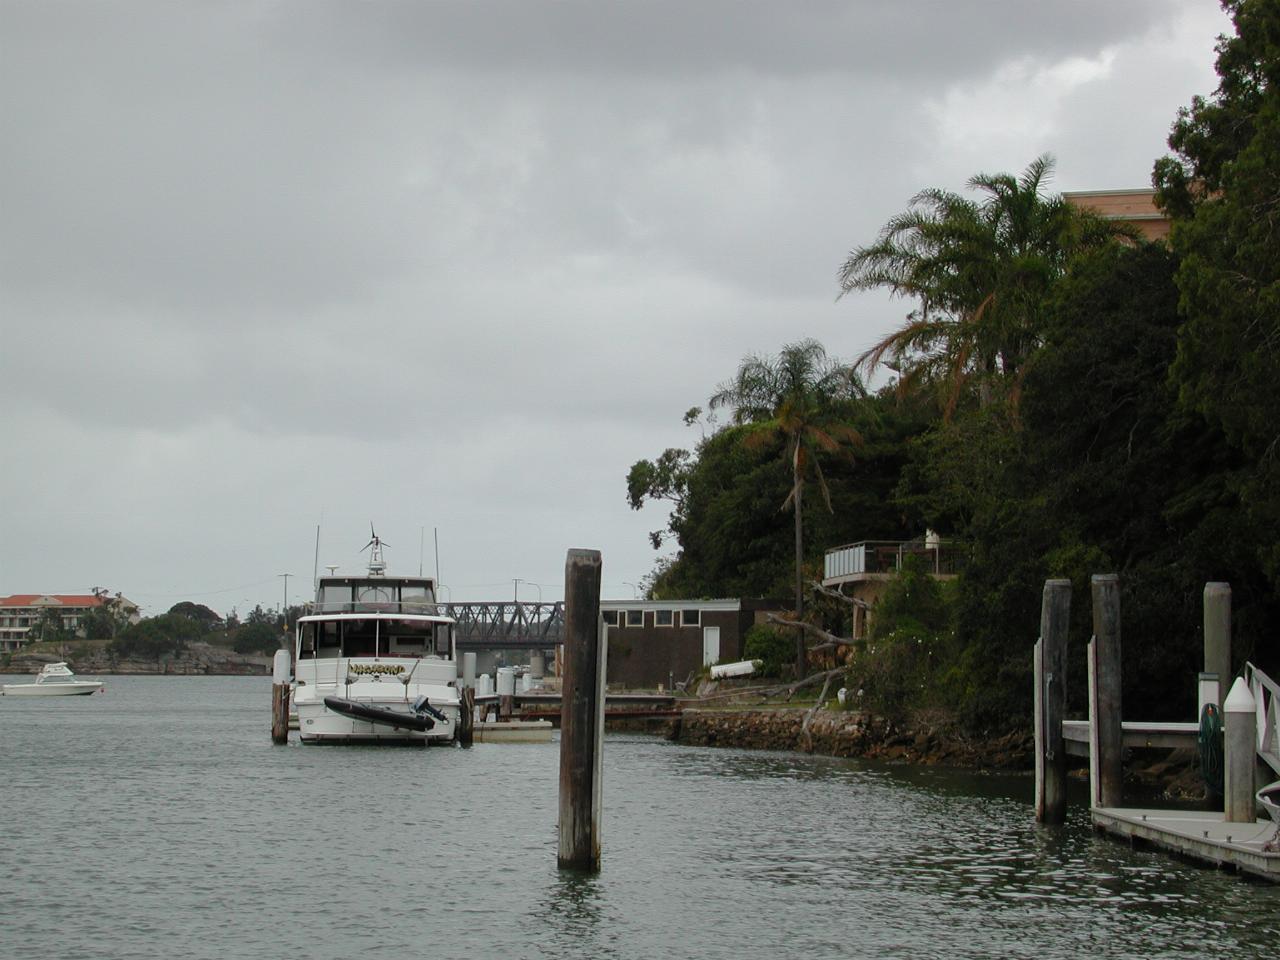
710	645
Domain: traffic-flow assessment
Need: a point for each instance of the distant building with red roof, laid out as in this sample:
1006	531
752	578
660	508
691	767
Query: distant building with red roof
18	613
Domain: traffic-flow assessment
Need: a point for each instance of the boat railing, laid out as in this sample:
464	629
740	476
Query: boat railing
428	608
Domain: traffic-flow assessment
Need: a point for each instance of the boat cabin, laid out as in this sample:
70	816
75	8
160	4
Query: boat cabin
374	593
375	635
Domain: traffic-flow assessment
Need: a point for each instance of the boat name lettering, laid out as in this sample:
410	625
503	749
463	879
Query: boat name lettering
373	668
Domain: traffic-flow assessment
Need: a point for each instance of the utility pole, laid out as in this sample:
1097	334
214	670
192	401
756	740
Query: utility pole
286	595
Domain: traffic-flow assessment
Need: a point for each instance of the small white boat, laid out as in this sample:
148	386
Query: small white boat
53	680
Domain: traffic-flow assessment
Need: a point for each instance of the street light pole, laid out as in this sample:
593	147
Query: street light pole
286	593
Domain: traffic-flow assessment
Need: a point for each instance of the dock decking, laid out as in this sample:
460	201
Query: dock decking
1200	835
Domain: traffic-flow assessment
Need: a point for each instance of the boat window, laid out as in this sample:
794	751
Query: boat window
376	596
307	641
407	637
416	593
335	595
359	638
442	639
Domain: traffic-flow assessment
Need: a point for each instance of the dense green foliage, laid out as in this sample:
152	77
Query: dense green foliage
1069	401
258	637
772	646
156	637
197	613
902	666
1223	189
979	271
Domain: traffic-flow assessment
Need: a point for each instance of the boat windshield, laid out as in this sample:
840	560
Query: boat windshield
375	595
372	637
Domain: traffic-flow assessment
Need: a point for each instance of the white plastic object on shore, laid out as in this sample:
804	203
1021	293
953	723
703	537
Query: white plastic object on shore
743	668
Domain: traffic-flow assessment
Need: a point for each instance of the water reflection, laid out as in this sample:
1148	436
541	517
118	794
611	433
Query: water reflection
169	821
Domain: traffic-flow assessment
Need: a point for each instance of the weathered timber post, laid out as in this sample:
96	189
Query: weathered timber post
1106	756
581	713
280	696
1050	701
1240	741
1217	635
466	716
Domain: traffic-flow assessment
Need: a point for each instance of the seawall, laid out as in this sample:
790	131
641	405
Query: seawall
840	733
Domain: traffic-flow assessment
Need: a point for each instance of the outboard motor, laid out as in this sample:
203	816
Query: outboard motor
422	706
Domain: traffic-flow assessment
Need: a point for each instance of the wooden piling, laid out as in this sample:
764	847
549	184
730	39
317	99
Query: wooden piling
1240	742
280	669
1217	635
581	713
466	716
1049	700
1106	754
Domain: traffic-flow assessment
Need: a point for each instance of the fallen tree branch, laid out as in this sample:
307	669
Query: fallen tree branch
791	688
827	638
837	595
808	717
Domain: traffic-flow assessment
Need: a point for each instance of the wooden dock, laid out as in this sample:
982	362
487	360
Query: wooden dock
1248	740
1204	836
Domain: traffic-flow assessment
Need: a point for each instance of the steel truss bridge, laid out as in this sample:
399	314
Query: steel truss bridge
507	625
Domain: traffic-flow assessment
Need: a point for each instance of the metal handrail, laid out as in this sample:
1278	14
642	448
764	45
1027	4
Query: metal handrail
1266	698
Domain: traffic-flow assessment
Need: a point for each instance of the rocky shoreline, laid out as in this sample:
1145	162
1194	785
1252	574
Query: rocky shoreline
1162	775
841	733
199	659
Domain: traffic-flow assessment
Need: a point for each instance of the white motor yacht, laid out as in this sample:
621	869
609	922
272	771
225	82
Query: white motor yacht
53	680
375	662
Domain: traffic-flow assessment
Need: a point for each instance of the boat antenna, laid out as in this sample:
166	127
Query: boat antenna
377	565
422	536
315	565
435	535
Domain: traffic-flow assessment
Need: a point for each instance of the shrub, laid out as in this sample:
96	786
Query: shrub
775	649
257	638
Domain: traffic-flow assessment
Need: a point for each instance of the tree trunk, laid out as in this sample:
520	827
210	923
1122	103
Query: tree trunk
801	653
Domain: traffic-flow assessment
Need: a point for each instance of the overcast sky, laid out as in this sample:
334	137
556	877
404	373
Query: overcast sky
457	265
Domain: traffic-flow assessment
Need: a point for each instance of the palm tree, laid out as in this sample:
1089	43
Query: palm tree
980	273
795	398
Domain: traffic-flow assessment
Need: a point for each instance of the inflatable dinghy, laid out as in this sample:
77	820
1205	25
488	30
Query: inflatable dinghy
383	715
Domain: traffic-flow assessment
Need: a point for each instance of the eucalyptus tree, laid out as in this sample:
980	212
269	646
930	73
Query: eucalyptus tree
800	401
980	272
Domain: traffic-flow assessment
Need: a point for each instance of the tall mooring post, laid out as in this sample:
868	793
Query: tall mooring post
581	713
1217	635
1050	701
1106	747
467	701
1240	740
280	670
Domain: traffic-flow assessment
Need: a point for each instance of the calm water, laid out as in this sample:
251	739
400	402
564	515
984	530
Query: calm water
159	820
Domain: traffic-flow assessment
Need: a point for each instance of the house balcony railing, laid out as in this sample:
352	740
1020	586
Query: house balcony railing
870	557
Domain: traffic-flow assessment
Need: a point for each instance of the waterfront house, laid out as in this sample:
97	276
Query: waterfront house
20	612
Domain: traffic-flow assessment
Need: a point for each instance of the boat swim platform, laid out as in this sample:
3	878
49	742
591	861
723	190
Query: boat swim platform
1200	835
